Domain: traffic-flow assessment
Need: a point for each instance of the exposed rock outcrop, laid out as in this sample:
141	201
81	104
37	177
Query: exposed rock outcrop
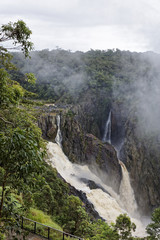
91	113
119	118
48	125
141	155
84	148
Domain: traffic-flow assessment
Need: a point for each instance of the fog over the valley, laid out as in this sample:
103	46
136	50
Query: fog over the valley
91	24
148	95
142	92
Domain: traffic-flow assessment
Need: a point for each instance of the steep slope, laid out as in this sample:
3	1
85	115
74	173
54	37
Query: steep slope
141	155
85	148
95	83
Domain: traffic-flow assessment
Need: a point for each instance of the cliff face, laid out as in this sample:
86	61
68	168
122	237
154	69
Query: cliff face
139	151
84	148
118	121
81	135
48	124
92	112
141	155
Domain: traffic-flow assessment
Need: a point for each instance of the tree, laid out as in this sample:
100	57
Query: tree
21	146
20	156
47	203
74	218
102	231
10	91
153	229
19	34
125	227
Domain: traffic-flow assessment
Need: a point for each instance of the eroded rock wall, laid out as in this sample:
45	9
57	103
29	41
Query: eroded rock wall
141	155
48	124
82	144
85	148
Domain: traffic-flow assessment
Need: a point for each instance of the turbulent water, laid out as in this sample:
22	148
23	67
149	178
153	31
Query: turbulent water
106	202
126	192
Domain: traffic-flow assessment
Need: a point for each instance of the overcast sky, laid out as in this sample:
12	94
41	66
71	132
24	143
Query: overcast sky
84	24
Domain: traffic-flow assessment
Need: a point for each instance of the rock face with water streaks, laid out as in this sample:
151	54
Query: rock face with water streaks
139	153
84	148
48	124
141	156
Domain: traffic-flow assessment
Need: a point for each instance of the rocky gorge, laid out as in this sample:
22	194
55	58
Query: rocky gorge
85	148
93	84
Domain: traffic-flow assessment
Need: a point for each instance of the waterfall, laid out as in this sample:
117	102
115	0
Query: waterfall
106	202
107	131
58	138
126	192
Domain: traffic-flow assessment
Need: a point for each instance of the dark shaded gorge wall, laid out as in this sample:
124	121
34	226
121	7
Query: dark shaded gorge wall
85	148
141	154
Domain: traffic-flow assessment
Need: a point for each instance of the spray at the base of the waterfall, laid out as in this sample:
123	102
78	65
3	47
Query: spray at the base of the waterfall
107	131
106	202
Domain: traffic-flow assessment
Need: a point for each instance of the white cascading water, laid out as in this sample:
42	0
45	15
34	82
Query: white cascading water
126	192
107	131
107	203
58	138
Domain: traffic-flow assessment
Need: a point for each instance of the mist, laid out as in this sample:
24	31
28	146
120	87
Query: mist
141	92
136	81
59	70
148	97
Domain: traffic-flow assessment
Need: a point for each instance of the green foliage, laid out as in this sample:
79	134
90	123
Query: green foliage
19	33
21	145
44	219
2	236
71	78
10	218
41	217
102	231
47	203
20	152
153	229
30	78
10	92
20	157
75	220
50	194
125	227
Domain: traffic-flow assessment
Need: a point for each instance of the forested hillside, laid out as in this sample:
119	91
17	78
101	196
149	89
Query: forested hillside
96	82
